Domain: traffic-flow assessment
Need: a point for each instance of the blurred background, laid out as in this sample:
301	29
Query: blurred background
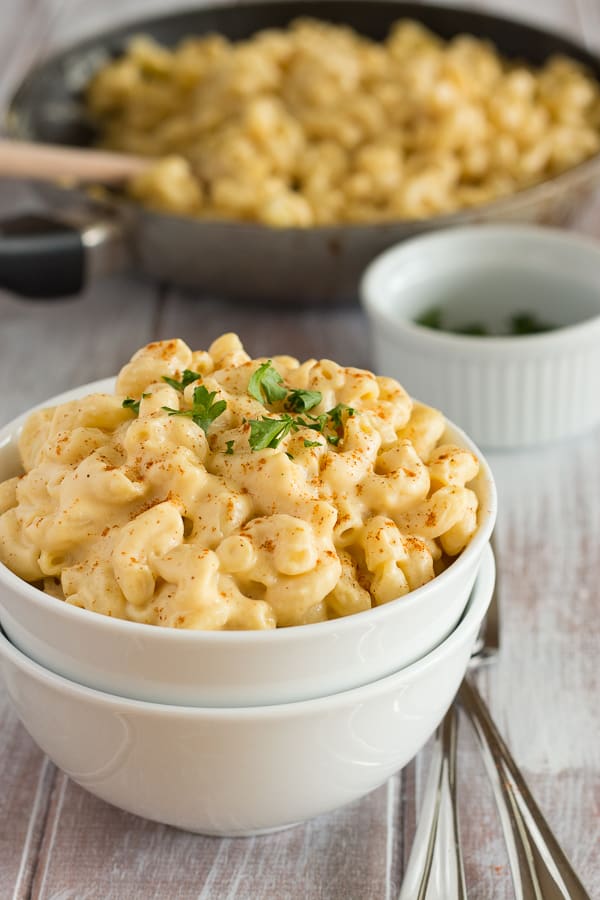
31	30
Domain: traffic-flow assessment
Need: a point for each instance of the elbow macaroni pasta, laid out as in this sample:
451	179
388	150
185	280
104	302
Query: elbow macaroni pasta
318	125
151	514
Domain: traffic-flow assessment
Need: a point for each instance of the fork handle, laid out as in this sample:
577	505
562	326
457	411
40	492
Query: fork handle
435	868
540	869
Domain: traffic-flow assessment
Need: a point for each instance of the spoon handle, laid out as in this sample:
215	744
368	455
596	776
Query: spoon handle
21	159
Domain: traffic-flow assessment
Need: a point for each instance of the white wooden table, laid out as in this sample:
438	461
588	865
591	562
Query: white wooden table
57	841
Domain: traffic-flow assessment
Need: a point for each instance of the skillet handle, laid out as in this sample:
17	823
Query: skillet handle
47	258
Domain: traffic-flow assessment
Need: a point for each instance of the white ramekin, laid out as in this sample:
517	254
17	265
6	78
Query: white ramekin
512	391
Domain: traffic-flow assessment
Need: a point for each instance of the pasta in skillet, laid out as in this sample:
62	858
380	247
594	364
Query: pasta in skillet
315	124
214	491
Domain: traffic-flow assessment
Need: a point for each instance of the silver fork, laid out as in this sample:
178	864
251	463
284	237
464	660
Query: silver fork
539	866
540	870
435	869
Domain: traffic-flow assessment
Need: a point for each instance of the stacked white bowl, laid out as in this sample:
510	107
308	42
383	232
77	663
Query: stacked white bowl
237	733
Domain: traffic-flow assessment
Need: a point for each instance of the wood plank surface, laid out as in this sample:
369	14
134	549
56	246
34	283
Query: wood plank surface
57	841
130	857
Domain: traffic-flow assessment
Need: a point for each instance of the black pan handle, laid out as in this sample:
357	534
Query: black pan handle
46	258
40	257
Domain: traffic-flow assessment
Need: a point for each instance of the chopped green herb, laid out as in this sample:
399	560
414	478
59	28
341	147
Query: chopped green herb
204	411
431	318
519	324
528	323
229	450
301	401
133	405
335	419
267	432
289	455
332	418
266	384
187	378
475	329
317	423
337	413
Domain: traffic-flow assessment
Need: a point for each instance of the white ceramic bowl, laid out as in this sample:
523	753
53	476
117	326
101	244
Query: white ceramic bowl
236	668
242	771
511	391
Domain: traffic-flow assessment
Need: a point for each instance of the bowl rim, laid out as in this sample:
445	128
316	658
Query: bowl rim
372	289
475	610
9	580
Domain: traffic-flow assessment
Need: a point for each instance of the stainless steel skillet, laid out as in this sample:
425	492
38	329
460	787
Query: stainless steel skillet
247	261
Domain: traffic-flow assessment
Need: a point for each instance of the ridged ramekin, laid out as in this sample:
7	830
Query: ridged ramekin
505	391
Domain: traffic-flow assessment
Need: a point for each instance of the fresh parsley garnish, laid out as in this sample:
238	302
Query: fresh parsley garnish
336	414
475	329
301	401
204	411
229	450
133	405
332	419
431	318
266	384
518	324
267	432
528	323
336	420
187	378
317	423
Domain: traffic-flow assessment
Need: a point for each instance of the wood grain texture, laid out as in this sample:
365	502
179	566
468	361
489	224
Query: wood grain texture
339	334
75	341
57	841
26	781
129	857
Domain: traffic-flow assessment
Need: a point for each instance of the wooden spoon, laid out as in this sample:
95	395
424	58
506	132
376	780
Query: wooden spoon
51	162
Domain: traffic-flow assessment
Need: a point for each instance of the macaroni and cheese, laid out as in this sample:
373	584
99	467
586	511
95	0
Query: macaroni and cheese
316	124
215	491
